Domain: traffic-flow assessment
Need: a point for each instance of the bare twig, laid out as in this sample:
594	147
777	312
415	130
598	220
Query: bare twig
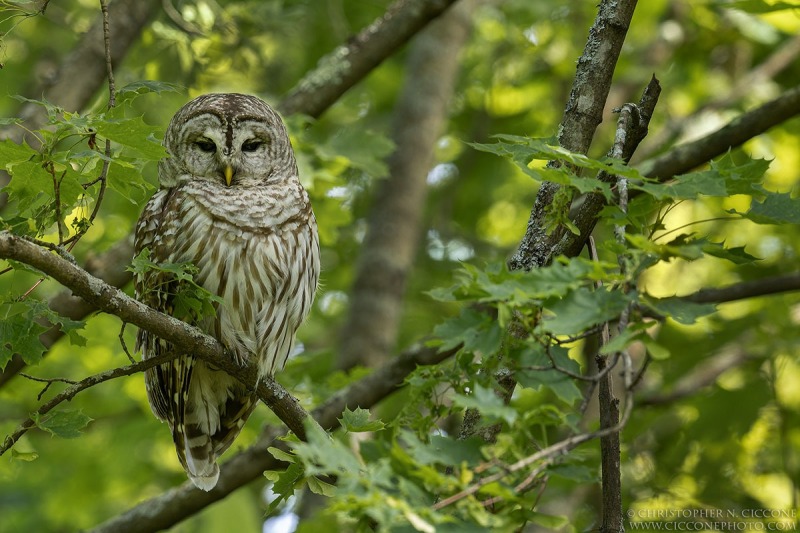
48	381
124	344
547	456
72	391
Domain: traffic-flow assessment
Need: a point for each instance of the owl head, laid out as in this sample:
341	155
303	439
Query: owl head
234	140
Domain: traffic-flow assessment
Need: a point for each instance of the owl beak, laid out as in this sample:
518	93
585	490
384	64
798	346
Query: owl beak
228	174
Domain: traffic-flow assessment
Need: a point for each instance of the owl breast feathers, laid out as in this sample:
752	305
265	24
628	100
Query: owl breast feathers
231	203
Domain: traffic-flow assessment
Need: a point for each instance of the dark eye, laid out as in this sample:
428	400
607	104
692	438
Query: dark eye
206	146
252	145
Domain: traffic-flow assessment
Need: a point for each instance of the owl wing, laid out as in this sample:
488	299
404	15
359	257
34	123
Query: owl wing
201	432
152	288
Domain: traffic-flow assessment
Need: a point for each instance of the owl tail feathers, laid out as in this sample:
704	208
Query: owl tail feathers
205	481
197	456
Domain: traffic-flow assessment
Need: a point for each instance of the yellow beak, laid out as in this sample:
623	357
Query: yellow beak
228	175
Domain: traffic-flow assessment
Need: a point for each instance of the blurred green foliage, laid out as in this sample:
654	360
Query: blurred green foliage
731	445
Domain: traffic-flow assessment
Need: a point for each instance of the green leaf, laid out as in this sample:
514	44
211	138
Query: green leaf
524	150
127	180
12	153
476	330
736	255
444	450
31	186
138	88
38	308
583	308
19	333
775	209
358	421
532	358
281	455
679	309
724	177
321	454
190	301
284	484
317	486
495	283
66	424
135	134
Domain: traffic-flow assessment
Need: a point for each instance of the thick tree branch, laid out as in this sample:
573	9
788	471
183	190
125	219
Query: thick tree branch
747	289
685	157
110	267
191	340
633	134
583	114
169	508
179	503
779	60
370	332
349	63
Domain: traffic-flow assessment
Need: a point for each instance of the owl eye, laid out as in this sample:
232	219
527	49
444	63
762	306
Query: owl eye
206	146
252	145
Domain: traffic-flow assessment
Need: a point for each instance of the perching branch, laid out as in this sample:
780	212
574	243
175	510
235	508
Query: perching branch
108	266
177	504
349	63
166	510
191	340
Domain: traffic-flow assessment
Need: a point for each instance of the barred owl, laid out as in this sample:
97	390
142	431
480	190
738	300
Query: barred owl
231	203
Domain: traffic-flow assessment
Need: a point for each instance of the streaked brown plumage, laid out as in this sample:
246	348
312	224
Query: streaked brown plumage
231	203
